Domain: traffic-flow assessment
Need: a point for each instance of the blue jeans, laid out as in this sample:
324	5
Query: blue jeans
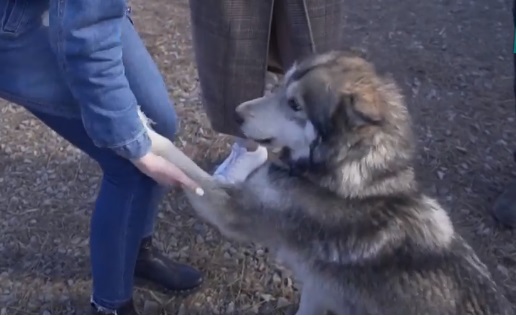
127	202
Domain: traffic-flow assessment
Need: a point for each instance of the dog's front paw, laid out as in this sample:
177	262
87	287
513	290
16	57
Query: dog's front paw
214	201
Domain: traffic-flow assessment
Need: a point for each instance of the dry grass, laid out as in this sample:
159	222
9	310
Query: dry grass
454	62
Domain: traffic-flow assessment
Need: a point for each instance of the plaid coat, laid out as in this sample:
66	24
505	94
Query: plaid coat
237	41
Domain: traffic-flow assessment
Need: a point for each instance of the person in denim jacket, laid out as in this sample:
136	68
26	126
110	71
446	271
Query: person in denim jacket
80	67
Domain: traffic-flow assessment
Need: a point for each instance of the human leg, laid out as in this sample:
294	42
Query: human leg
151	92
231	63
117	220
246	154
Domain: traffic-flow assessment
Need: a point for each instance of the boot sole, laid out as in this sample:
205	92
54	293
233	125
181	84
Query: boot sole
142	282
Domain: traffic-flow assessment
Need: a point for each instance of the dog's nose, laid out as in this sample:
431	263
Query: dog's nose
238	118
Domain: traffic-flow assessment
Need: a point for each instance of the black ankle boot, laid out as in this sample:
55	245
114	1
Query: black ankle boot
126	309
153	266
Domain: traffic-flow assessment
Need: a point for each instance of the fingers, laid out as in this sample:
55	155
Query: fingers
181	177
178	175
165	173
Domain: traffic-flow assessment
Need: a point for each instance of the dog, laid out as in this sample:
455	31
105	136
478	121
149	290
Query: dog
341	206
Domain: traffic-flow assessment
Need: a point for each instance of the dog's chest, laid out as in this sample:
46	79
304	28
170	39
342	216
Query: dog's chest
264	189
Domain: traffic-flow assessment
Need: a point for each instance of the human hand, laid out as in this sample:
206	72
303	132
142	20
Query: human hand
163	172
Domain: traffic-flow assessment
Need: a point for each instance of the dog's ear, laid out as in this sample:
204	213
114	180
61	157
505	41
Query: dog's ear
328	108
357	111
320	105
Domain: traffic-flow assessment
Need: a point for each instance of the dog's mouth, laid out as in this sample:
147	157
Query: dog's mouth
267	141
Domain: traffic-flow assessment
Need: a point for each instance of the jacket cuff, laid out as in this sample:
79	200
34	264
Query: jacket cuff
135	148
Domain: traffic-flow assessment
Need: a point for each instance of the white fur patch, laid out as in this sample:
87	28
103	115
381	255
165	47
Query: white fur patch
301	147
438	227
310	133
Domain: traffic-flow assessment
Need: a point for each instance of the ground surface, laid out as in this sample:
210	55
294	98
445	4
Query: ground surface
453	60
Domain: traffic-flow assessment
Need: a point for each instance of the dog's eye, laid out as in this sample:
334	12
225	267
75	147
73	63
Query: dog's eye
292	103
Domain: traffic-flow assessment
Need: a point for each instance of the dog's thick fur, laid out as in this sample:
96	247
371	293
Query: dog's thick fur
343	210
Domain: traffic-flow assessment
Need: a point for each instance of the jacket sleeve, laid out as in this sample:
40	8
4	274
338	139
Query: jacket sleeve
86	38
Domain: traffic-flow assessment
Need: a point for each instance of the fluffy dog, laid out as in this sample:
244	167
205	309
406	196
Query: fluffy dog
342	208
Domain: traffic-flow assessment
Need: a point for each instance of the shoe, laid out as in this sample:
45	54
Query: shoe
240	163
504	209
126	309
154	267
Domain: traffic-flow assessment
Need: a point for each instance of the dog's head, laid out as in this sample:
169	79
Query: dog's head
333	114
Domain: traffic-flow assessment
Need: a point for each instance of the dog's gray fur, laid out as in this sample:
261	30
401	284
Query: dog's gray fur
343	210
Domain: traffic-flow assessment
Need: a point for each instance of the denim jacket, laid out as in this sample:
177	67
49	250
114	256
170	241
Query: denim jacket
85	36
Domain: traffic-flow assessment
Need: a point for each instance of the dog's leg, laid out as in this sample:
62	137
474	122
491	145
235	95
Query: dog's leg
213	201
310	303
